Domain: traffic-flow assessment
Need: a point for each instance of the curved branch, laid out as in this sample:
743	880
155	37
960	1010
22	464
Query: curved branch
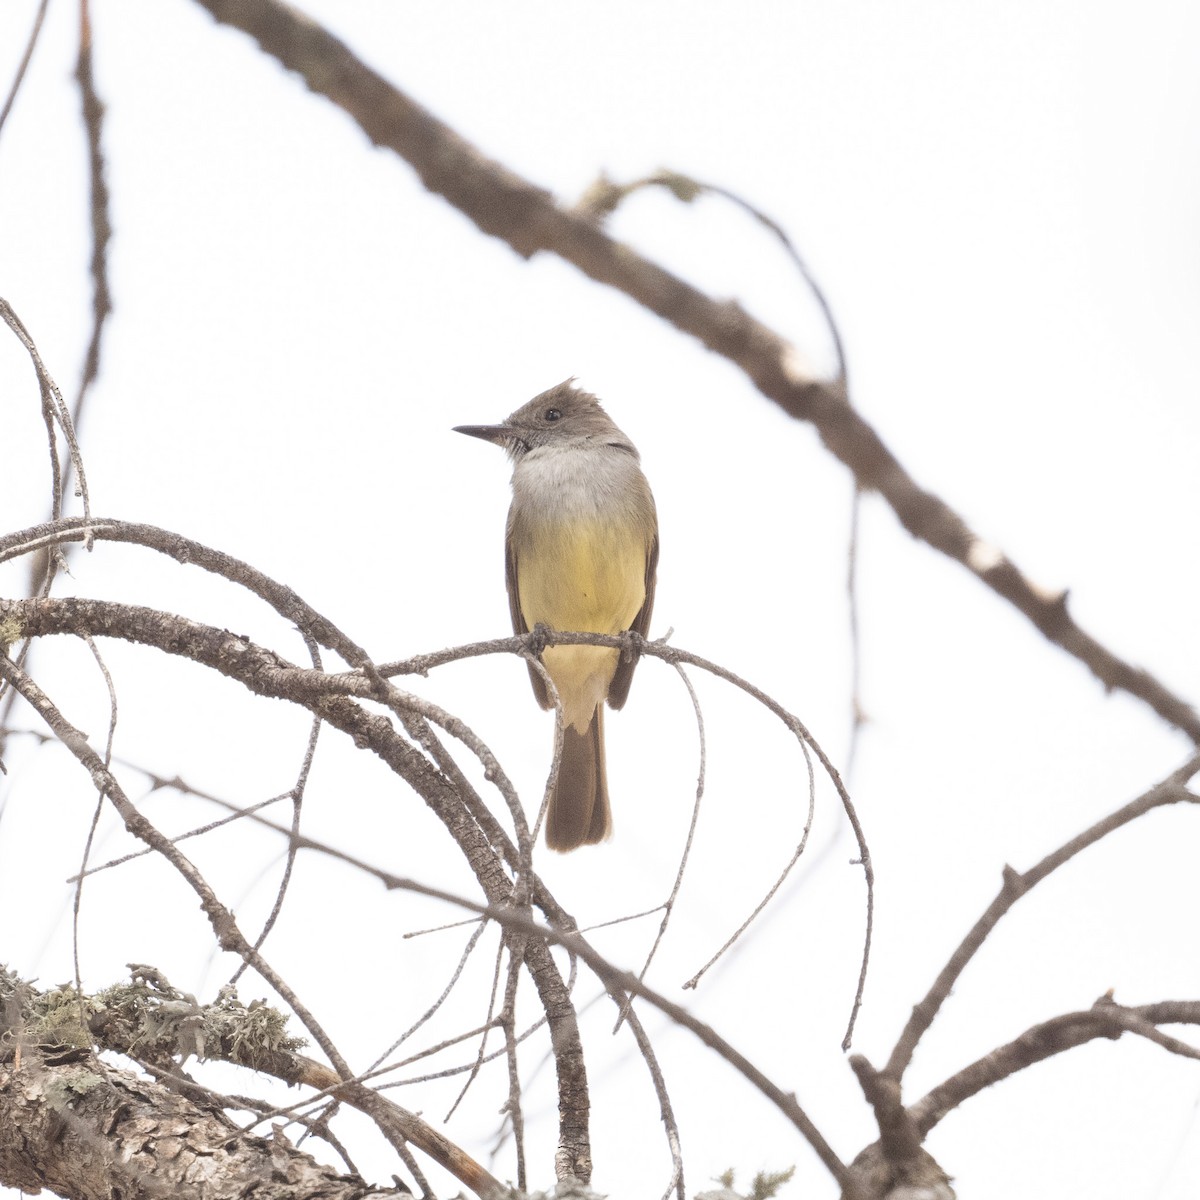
293	609
422	664
508	207
281	598
267	674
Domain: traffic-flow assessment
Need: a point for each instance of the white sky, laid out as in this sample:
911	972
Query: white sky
1001	202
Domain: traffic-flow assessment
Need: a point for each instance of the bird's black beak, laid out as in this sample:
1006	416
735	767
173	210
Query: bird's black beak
500	435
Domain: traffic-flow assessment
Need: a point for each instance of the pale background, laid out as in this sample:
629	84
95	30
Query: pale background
1002	204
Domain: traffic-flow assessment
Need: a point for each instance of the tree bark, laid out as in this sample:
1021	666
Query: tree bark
90	1132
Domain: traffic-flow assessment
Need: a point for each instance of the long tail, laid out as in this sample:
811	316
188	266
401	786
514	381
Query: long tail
579	814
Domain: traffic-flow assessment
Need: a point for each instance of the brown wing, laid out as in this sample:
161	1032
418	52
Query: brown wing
618	690
518	621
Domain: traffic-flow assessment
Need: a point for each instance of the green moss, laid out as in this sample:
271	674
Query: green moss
68	1086
57	1018
11	630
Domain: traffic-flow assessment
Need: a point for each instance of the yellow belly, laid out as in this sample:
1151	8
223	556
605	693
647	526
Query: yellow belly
589	578
585	578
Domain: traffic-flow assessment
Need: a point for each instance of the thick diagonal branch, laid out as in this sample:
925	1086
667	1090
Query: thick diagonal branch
508	207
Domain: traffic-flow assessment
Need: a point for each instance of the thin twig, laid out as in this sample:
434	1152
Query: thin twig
665	1108
23	65
488	1025
512	1106
77	899
535	663
779	880
609	974
267	674
430	1012
229	937
858	715
199	831
297	798
334	1086
603	196
54	413
673	655
92	111
668	906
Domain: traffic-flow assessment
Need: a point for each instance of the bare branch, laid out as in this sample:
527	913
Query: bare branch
780	879
668	905
1104	1019
468	950
391	1120
54	414
294	610
281	598
512	1106
602	198
1016	885
619	982
93	124
87	848
235	814
899	1138
422	664
267	674
297	797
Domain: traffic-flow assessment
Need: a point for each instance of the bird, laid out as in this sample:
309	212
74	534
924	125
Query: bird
581	556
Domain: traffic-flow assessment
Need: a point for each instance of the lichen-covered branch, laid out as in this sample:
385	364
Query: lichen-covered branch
87	1131
155	1024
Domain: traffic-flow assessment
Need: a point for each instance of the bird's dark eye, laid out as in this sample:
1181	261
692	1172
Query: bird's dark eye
552	414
